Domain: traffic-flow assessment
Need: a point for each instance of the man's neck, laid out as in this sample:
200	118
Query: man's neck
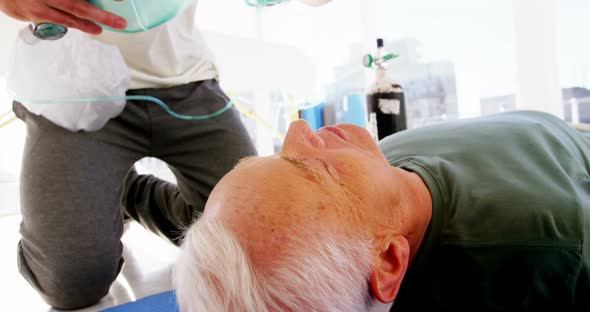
417	202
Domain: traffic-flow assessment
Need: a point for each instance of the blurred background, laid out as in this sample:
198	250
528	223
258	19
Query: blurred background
458	59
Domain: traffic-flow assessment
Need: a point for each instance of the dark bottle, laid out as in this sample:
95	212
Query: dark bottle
385	100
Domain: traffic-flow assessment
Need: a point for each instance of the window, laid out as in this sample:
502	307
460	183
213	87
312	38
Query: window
572	31
457	57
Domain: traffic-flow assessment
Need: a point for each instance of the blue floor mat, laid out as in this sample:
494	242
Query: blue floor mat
164	302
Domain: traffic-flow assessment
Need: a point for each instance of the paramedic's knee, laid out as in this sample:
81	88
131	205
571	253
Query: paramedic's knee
66	283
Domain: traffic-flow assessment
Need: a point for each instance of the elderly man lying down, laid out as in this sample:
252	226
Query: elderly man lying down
487	214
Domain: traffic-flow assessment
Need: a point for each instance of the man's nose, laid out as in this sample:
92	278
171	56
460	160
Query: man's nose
301	139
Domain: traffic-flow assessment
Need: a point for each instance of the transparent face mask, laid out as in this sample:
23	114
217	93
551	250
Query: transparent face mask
142	15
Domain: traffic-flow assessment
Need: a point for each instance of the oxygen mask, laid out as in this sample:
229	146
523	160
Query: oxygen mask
141	15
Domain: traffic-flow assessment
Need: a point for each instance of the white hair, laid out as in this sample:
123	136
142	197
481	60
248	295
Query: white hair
319	273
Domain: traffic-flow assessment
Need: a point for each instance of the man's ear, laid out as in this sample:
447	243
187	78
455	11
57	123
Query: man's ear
389	269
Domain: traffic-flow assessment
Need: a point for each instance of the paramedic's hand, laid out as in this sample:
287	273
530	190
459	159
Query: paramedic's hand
78	14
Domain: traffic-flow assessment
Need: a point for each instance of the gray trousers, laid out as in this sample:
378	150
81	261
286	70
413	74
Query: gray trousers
75	187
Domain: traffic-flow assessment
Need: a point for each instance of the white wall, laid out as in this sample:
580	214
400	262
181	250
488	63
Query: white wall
248	64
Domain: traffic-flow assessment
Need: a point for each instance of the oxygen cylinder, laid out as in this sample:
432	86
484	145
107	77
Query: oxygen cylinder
386	105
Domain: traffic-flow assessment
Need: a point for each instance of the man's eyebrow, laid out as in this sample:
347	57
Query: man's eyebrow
310	172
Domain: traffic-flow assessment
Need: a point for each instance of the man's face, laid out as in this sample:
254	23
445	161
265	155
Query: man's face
327	176
346	149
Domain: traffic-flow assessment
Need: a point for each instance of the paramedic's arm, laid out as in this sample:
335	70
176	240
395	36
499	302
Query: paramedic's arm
78	14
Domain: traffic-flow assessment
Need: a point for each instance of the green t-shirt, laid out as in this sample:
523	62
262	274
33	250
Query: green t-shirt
511	214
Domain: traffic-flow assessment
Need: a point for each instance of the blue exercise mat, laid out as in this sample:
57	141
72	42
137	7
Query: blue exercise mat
164	302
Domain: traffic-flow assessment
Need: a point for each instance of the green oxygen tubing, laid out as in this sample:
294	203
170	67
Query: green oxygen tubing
263	3
152	99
